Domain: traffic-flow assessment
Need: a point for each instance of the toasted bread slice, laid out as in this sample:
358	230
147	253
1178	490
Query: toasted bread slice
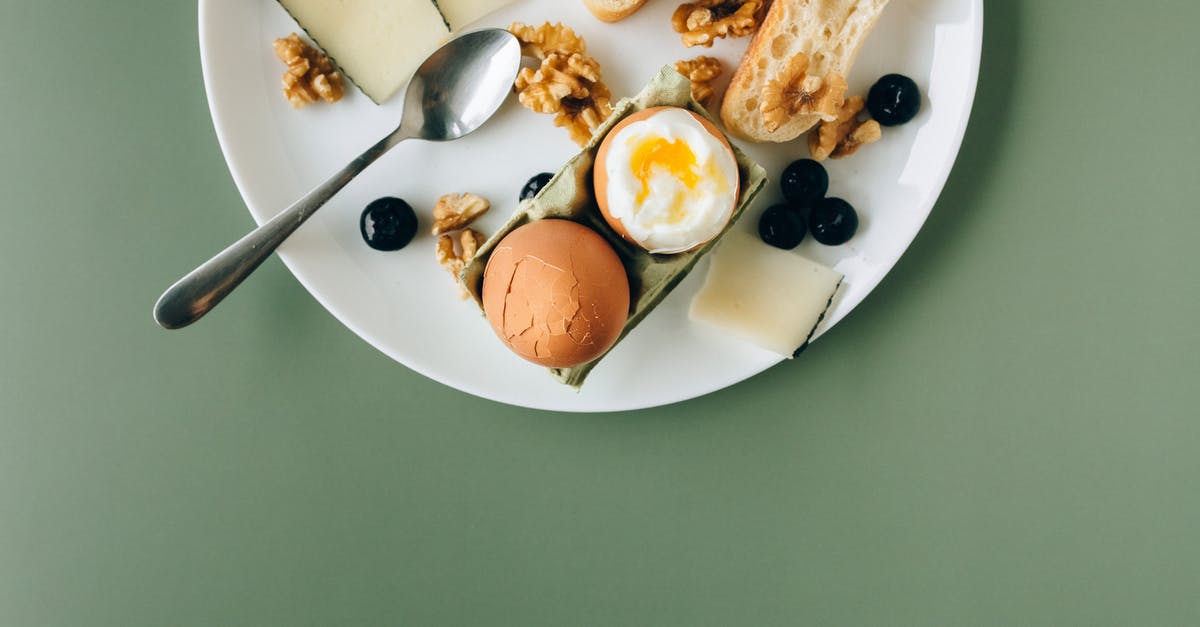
830	32
613	10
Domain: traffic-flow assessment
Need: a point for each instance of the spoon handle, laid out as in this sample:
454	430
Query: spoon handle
203	288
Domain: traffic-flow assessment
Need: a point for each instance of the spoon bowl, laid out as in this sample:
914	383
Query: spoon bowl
454	91
448	98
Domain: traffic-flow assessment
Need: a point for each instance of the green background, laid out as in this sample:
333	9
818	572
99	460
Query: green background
1006	433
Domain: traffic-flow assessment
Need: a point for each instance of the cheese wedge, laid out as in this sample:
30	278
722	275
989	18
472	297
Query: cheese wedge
377	43
770	297
460	13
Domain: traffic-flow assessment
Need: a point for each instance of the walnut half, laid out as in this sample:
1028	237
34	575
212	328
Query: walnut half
566	84
310	74
454	261
559	78
457	211
541	41
844	135
795	92
702	71
704	21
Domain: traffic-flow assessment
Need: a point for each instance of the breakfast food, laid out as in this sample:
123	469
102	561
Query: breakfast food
379	43
666	179
461	13
796	92
613	10
555	293
566	84
894	99
770	297
388	224
453	259
656	187
833	221
457	211
782	226
535	185
792	73
702	71
310	75
569	195
845	134
702	22
804	181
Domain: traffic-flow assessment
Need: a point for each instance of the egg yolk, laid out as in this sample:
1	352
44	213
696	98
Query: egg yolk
676	158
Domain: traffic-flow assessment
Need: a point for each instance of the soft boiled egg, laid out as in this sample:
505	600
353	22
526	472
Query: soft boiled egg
666	179
556	293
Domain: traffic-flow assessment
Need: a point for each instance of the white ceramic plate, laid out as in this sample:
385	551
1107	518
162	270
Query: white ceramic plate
404	304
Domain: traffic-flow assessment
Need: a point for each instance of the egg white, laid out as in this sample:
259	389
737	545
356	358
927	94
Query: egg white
708	206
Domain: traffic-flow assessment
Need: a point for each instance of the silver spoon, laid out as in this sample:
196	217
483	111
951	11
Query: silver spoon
454	92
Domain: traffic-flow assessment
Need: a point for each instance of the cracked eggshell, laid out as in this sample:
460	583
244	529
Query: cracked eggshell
556	293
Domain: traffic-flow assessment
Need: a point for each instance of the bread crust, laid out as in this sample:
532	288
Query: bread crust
741	85
740	109
613	10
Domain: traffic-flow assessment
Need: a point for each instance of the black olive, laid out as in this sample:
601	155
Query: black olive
832	221
388	224
782	226
804	182
535	185
894	100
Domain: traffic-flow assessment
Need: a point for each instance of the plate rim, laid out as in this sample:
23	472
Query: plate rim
221	129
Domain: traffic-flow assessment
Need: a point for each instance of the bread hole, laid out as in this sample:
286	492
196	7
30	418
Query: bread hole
780	44
751	104
762	63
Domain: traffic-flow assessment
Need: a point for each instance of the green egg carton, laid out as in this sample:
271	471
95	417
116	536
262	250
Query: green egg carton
569	196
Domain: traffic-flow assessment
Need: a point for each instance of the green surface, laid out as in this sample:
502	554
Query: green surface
1006	433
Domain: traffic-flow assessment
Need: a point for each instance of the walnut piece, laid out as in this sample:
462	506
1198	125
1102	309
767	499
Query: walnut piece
310	74
456	211
471	240
566	84
844	135
704	21
454	261
559	77
701	71
795	92
540	41
581	116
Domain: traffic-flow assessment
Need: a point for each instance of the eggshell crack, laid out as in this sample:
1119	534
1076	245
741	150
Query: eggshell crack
556	293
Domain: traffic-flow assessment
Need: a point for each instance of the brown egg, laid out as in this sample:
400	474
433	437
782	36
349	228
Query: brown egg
556	293
601	179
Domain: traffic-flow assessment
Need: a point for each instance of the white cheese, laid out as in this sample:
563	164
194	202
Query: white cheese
770	297
377	43
460	13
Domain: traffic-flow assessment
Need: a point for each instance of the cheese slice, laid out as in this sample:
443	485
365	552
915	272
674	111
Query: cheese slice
460	13
377	43
770	297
